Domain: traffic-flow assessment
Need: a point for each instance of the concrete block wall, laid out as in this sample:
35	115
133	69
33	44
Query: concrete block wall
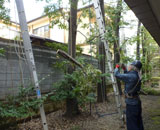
14	71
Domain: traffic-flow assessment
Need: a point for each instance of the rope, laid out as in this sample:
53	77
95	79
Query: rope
19	50
16	42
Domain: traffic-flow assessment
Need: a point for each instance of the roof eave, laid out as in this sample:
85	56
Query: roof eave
145	14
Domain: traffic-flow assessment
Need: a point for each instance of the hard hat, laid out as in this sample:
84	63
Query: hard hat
137	64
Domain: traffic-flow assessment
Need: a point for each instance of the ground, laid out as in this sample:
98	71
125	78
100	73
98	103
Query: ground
151	117
151	112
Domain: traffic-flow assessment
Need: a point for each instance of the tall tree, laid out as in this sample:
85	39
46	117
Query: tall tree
138	40
101	89
145	57
149	51
117	40
143	48
71	103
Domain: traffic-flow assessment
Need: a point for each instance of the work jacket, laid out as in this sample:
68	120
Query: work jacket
131	79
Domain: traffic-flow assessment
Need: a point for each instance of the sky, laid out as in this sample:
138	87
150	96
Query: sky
34	9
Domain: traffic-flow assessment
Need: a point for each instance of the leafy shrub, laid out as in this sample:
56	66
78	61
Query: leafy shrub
81	84
2	51
20	106
151	91
64	47
155	78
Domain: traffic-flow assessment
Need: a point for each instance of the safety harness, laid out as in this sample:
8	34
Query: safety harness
129	94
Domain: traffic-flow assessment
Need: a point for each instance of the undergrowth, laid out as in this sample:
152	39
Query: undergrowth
19	107
151	91
80	85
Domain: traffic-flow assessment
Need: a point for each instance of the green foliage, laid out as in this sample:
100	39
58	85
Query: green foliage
20	106
76	127
151	91
146	77
155	78
4	12
57	14
62	66
125	59
81	84
56	46
113	15
2	51
64	47
156	120
149	53
154	84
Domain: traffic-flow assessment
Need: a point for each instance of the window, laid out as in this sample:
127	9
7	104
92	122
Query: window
42	31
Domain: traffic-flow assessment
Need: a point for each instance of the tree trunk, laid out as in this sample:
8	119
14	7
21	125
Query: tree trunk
71	103
145	54
138	41
101	89
143	51
116	44
143	43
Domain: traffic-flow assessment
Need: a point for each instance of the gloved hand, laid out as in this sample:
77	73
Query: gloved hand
123	67
117	66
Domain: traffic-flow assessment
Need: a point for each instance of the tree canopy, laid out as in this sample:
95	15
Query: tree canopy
4	12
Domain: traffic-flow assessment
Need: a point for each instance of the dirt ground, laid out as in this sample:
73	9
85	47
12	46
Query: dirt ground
85	121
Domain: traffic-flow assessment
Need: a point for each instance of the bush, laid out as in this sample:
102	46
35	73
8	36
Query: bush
20	106
151	91
64	47
155	78
81	84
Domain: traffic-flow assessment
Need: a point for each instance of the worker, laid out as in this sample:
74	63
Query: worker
132	81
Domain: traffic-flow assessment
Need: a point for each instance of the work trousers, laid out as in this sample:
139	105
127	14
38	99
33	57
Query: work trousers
134	117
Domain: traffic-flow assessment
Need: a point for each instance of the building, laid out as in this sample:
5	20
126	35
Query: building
147	11
10	31
42	27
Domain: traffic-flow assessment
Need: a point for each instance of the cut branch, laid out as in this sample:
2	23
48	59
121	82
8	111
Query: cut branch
69	58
